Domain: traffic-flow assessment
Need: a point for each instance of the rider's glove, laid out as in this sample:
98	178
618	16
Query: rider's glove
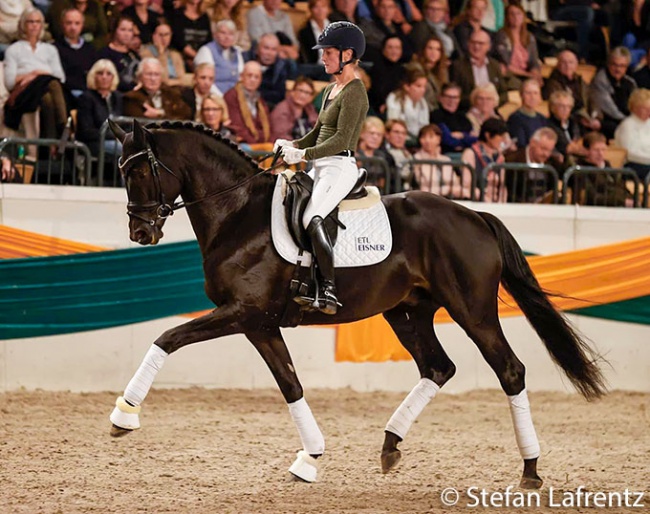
292	155
279	143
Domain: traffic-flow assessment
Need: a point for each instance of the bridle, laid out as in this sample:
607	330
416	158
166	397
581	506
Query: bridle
161	206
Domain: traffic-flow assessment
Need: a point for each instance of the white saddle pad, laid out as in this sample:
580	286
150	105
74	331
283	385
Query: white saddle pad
366	240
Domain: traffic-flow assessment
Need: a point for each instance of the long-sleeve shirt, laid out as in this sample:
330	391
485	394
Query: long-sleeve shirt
415	115
633	134
20	60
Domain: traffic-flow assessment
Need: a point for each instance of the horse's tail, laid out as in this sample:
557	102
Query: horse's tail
567	348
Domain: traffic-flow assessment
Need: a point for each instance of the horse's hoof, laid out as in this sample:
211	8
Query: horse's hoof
119	431
390	460
305	467
531	482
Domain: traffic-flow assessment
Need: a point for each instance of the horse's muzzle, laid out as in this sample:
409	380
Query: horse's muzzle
146	235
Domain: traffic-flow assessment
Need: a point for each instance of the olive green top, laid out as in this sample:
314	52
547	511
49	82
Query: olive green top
339	125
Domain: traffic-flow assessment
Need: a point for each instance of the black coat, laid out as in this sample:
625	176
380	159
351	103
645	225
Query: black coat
91	114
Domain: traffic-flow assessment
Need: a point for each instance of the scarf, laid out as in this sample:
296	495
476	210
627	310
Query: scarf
248	119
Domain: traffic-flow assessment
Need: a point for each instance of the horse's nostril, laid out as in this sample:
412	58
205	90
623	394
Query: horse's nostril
139	236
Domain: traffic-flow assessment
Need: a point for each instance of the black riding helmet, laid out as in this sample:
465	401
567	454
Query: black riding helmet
343	35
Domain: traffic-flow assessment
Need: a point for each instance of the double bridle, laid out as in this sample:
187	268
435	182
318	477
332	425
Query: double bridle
162	207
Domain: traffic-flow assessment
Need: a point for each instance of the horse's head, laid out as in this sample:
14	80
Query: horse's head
150	185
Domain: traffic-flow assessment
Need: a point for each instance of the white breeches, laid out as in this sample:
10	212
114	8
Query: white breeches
334	178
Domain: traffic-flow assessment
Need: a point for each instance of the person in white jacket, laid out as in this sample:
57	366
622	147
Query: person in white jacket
408	103
633	133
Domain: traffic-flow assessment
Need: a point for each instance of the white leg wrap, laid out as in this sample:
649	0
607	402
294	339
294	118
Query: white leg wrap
402	419
312	439
523	423
139	386
305	467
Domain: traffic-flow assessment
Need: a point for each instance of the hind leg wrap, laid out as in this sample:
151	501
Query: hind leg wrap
402	419
312	438
523	423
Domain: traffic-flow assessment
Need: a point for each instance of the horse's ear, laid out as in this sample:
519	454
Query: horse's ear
139	135
116	130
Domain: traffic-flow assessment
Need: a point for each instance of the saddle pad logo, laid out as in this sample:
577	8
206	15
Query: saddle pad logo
367	239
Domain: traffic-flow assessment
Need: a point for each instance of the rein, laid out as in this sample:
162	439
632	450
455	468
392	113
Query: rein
162	207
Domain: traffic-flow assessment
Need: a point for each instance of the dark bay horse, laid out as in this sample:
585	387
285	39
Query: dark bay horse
444	255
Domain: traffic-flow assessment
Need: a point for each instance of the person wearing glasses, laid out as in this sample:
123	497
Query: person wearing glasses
455	126
331	146
295	116
214	114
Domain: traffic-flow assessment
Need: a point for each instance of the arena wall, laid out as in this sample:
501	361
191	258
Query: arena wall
106	359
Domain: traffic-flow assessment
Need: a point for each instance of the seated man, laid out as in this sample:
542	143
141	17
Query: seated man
203	87
478	69
611	88
226	57
268	18
151	98
76	55
531	186
471	21
275	70
249	114
454	124
382	26
523	123
434	24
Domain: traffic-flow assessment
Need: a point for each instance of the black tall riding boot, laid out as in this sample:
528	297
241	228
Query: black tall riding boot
324	254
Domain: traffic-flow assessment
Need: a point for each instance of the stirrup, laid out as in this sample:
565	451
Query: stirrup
328	303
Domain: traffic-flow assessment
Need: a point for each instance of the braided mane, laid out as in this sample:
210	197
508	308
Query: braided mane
199	127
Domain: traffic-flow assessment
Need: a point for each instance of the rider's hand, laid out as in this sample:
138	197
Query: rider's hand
292	155
281	143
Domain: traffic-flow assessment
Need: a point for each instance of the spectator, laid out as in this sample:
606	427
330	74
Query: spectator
436	178
408	104
319	11
203	86
34	77
275	71
9	16
611	88
456	128
214	114
222	53
483	101
190	30
145	18
525	121
633	133
517	49
470	21
348	10
171	61
436	66
95	25
386	74
135	45
434	25
396	136
8	172
533	186
76	55
565	124
371	144
100	101
492	140
642	75
233	10
382	26
581	13
151	98
248	112
295	116
125	60
268	17
477	69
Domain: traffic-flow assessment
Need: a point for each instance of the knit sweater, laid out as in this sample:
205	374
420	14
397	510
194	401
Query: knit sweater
633	134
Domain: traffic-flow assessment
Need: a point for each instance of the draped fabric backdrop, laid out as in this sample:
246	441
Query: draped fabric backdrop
72	291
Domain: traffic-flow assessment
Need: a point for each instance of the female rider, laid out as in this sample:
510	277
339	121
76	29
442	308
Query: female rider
331	143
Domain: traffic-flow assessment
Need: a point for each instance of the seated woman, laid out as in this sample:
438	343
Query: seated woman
492	141
408	104
396	136
190	29
371	144
523	123
484	101
435	64
119	52
567	126
214	114
633	133
171	60
34	76
98	102
516	48
439	179
295	116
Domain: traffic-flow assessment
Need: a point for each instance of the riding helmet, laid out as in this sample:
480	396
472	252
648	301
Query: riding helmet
343	35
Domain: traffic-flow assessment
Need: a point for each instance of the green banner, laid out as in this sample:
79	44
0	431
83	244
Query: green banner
58	295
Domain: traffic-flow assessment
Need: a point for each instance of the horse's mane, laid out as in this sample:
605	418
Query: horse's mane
203	129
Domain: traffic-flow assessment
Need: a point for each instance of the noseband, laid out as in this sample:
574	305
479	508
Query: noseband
163	208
